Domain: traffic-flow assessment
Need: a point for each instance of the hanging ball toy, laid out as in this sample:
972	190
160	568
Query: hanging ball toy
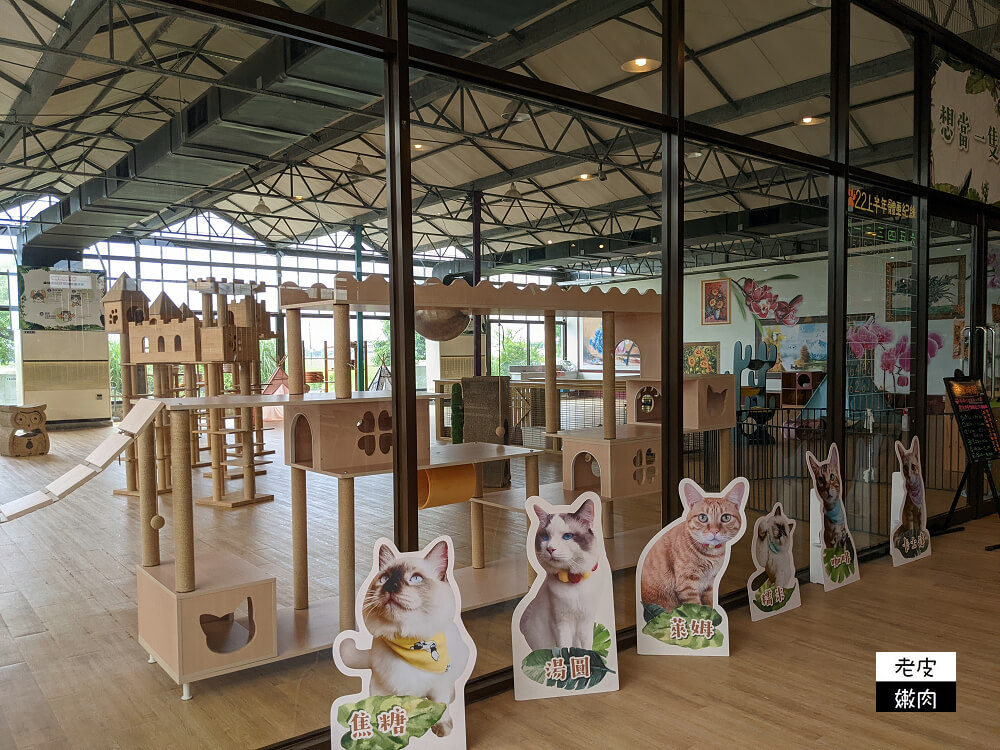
157	522
499	431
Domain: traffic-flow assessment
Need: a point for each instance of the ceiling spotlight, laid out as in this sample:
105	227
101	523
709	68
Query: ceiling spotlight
694	153
516	112
584	177
640	65
811	120
513	193
600	173
601	246
360	168
261	207
298	197
548	242
418	146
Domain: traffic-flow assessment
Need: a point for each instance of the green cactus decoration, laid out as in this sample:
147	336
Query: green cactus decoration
457	414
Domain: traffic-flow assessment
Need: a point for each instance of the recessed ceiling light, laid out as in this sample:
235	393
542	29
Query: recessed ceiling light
640	65
811	120
584	177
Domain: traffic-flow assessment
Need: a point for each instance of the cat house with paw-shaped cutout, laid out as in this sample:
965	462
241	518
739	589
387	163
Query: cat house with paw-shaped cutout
709	402
349	436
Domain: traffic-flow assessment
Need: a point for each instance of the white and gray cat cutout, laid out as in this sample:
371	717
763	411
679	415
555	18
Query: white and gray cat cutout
677	592
563	630
773	587
413	655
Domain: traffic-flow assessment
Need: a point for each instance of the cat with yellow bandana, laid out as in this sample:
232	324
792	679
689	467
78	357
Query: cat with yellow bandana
418	645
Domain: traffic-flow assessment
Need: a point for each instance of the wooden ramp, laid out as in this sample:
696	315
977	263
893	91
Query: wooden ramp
139	417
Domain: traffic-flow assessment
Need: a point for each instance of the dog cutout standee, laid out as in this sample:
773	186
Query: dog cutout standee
563	630
412	653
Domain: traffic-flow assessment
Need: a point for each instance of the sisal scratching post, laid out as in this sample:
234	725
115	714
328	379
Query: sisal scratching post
300	541
207	318
295	355
531	488
131	480
180	439
246	435
726	467
552	406
608	372
146	456
162	457
345	529
216	439
342	351
478	527
608	519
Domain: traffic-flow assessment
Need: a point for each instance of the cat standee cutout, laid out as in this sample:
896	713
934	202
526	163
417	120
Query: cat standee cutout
773	587
832	552
677	594
563	630
909	539
413	655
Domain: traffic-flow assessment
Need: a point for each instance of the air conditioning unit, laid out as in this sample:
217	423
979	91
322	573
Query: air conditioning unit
67	371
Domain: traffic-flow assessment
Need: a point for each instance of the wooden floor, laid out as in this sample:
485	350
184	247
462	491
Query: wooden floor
805	679
73	675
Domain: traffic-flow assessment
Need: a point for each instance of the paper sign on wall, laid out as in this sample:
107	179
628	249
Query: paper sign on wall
909	538
563	630
833	558
413	655
773	587
677	594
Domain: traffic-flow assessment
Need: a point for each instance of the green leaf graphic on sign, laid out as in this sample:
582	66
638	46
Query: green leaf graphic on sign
534	663
421	715
910	544
775	605
650	611
837	573
660	627
602	640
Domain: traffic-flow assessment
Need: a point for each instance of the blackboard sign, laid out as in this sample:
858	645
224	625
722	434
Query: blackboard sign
974	417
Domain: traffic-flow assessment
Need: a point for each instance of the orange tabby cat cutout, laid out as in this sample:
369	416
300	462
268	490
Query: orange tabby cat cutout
677	593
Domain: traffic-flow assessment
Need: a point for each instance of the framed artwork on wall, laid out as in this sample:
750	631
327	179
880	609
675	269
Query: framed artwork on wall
701	357
715	299
946	289
627	354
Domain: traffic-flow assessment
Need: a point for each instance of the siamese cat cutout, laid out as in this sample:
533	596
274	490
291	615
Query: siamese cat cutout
413	655
773	588
909	539
677	596
837	550
563	630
